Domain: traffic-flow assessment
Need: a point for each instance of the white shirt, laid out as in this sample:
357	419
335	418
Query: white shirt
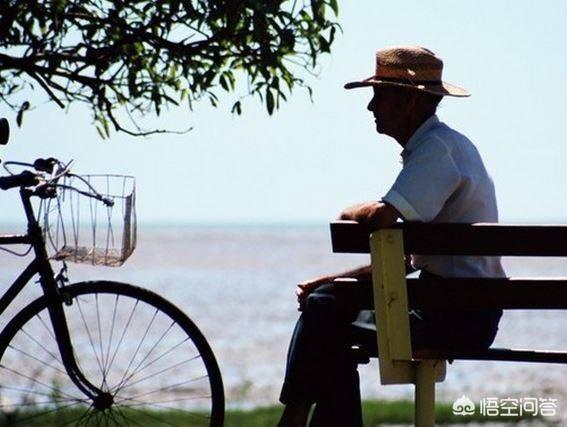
443	179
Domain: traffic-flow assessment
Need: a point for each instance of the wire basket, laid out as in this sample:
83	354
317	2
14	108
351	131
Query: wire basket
82	229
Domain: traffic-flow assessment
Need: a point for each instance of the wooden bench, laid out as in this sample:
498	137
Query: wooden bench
395	295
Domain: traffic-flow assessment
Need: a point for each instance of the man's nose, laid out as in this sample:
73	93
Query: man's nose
370	106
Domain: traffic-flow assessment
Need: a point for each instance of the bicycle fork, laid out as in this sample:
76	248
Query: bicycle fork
101	400
56	298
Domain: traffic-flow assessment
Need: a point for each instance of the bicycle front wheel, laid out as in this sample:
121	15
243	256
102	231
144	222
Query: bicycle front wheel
129	342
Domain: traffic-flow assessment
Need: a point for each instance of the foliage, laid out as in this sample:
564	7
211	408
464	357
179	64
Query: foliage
128	58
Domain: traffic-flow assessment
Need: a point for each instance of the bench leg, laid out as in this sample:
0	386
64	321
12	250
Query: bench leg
425	393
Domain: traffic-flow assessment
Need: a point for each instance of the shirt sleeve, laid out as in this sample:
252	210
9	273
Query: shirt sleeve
429	177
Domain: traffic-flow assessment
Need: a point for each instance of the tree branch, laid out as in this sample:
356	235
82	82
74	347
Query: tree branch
136	56
46	88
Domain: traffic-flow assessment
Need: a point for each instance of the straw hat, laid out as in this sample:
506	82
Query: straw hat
410	66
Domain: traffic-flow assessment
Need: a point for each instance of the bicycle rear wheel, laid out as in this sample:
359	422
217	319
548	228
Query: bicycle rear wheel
130	342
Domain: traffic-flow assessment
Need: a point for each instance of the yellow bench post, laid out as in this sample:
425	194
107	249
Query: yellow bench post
396	363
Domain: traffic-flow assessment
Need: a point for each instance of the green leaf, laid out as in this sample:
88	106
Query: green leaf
183	94
20	116
305	16
231	79
213	99
106	127
237	108
100	132
332	35
269	101
223	83
324	44
334	6
310	91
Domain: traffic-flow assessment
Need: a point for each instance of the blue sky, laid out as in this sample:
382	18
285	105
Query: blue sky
310	159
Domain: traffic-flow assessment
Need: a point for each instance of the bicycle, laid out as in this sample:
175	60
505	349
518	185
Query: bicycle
97	352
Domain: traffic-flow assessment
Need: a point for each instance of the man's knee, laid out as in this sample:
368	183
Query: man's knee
322	299
327	301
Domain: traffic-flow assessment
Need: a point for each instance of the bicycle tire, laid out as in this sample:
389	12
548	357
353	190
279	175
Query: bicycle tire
117	331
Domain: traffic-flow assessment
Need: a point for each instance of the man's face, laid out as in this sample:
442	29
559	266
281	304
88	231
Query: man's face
389	106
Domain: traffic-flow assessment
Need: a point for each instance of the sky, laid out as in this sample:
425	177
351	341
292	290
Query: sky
311	159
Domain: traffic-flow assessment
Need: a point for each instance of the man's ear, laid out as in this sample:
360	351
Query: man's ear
413	99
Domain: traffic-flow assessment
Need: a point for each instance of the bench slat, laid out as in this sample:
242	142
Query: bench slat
505	293
496	354
350	237
460	239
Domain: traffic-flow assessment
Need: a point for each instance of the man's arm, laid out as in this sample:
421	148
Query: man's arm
374	214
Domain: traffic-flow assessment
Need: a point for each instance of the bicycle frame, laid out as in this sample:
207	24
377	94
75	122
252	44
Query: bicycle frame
41	266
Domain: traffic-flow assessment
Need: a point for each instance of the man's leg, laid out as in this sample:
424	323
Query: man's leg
320	368
295	415
342	405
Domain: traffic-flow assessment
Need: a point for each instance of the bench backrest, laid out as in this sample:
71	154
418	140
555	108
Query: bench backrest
393	295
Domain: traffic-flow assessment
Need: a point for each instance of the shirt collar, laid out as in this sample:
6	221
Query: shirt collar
416	138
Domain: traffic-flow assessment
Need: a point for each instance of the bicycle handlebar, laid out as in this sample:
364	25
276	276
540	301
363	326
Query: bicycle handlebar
45	187
28	179
24	179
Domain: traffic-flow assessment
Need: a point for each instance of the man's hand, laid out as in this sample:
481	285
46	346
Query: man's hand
373	214
305	288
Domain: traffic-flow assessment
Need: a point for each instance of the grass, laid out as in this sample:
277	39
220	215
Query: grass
376	412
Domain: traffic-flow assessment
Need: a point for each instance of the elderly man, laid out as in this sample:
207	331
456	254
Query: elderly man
443	179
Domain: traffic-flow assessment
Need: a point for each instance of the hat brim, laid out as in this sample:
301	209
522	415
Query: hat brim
442	89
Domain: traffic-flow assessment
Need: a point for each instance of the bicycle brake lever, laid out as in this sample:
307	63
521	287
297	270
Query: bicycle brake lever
45	165
61	278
